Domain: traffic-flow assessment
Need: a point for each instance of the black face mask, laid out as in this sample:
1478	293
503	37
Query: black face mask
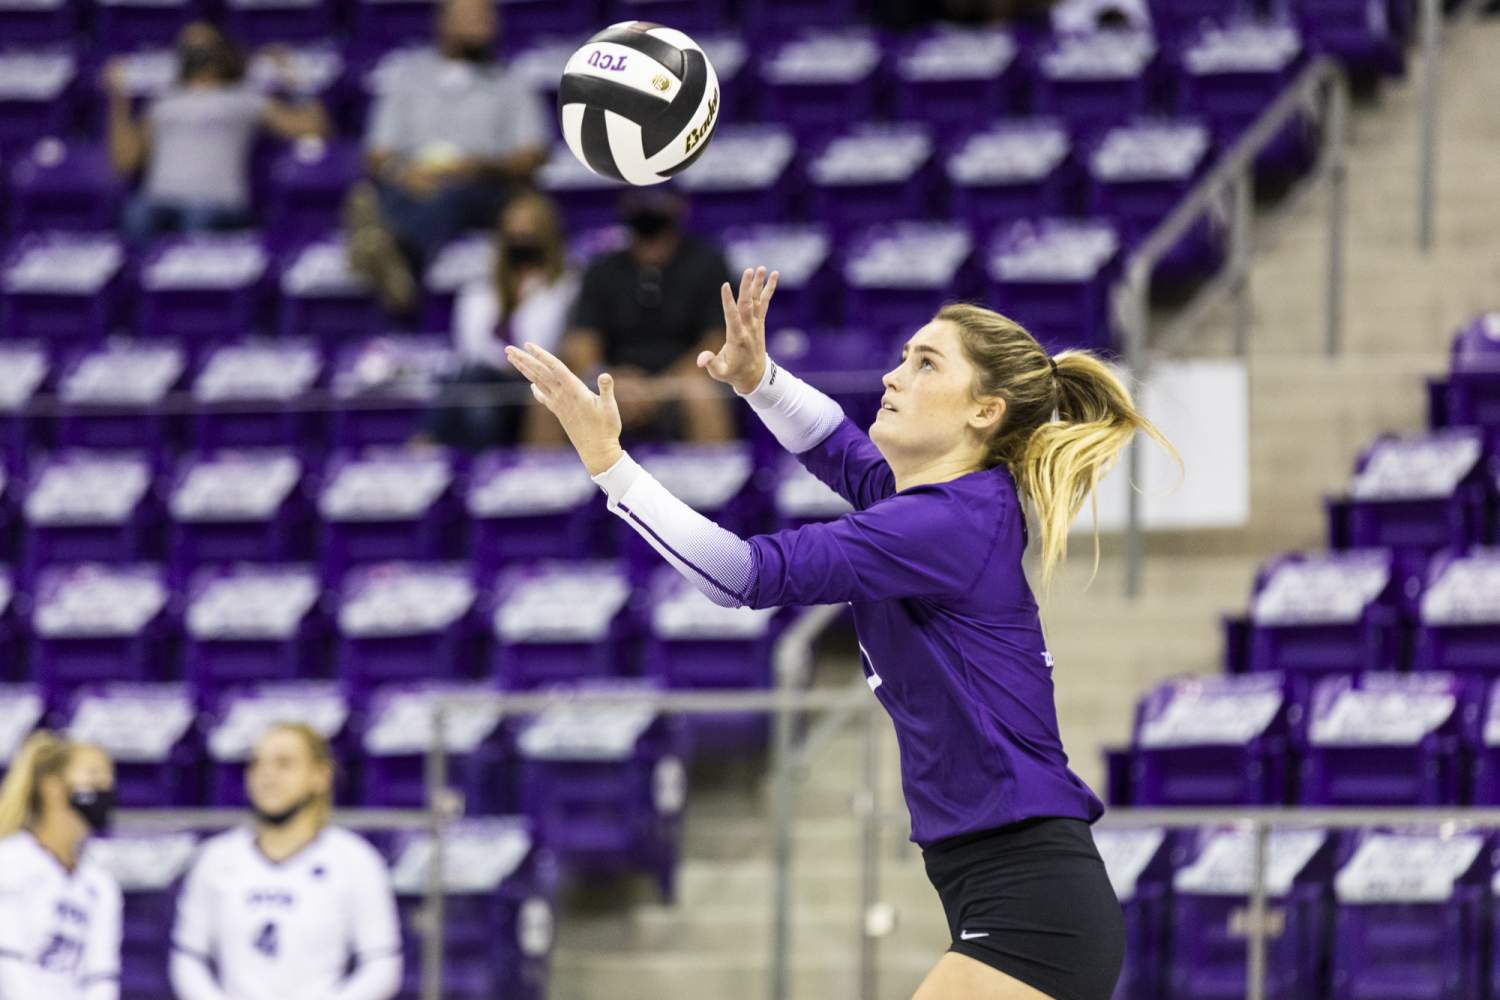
477	53
283	817
649	222
524	254
95	805
195	59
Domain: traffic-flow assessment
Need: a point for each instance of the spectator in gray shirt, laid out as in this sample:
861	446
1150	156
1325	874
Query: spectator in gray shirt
194	142
452	135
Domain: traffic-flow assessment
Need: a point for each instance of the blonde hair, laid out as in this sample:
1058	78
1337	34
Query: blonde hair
43	755
1056	463
322	756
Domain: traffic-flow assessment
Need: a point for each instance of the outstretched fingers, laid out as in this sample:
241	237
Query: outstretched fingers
763	300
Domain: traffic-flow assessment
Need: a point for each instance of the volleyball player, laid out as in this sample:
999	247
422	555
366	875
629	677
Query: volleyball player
977	425
291	908
59	912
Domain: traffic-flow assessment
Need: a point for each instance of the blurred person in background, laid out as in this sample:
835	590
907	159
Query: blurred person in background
451	136
645	312
194	142
291	908
527	297
59	912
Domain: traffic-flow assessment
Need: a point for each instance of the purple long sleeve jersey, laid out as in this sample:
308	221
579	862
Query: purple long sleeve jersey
948	629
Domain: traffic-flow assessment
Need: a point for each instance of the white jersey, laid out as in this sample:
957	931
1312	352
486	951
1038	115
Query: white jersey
249	928
59	930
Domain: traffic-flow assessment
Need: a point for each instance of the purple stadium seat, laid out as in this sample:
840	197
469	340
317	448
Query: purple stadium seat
398	733
818	81
1481	734
1414	495
94	623
1358	33
1325	613
84	506
243	714
148	731
587	200
147	867
1009	172
1212	741
1473	388
203	289
523	21
693	643
1094	81
1381	739
385	385
60	185
802	498
605	785
36	95
322	297
556	622
872	173
11	655
246	396
955	78
62	290
769	17
1210	908
1409	917
22	710
805	289
112	397
258	22
715	480
137	24
1458	616
1053	277
501	881
238	506
684	15
467	259
387	503
526	504
844	363
744	177
897	274
251	623
406	621
385	25
307	185
23	373
37	23
1139	866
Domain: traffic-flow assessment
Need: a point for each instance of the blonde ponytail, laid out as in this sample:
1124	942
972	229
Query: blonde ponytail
1066	421
42	755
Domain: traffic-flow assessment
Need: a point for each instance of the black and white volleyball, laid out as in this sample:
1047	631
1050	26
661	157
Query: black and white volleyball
638	102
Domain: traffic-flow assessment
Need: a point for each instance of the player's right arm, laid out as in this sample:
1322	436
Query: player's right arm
806	422
18	971
193	936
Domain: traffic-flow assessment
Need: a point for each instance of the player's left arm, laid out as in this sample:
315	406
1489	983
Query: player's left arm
100	972
374	934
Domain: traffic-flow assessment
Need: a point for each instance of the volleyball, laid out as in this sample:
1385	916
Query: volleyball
638	102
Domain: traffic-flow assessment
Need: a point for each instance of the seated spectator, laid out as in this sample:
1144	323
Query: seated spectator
644	313
451	136
194	142
526	300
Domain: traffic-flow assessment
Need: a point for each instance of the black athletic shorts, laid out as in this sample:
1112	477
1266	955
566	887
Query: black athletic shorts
1032	899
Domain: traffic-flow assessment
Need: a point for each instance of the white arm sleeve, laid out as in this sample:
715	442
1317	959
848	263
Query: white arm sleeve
797	414
18	971
718	562
375	935
193	938
101	955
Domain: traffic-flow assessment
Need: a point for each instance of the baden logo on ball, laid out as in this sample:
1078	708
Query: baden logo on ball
638	102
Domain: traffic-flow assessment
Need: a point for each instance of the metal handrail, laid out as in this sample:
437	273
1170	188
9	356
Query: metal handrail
1233	175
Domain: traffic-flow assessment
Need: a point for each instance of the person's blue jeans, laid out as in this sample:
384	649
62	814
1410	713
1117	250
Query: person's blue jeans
146	218
423	225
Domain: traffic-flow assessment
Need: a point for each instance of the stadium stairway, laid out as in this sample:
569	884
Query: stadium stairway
1309	417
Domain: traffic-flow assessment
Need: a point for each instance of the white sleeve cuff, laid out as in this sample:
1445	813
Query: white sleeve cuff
798	415
616	480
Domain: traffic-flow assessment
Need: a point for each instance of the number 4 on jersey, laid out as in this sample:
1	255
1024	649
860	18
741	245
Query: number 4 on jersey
266	941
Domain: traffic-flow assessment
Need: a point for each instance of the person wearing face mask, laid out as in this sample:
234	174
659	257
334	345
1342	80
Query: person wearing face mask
526	297
452	135
646	312
194	142
59	911
291	908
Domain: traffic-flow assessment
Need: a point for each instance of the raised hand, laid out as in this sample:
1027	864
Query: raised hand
592	422
742	360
